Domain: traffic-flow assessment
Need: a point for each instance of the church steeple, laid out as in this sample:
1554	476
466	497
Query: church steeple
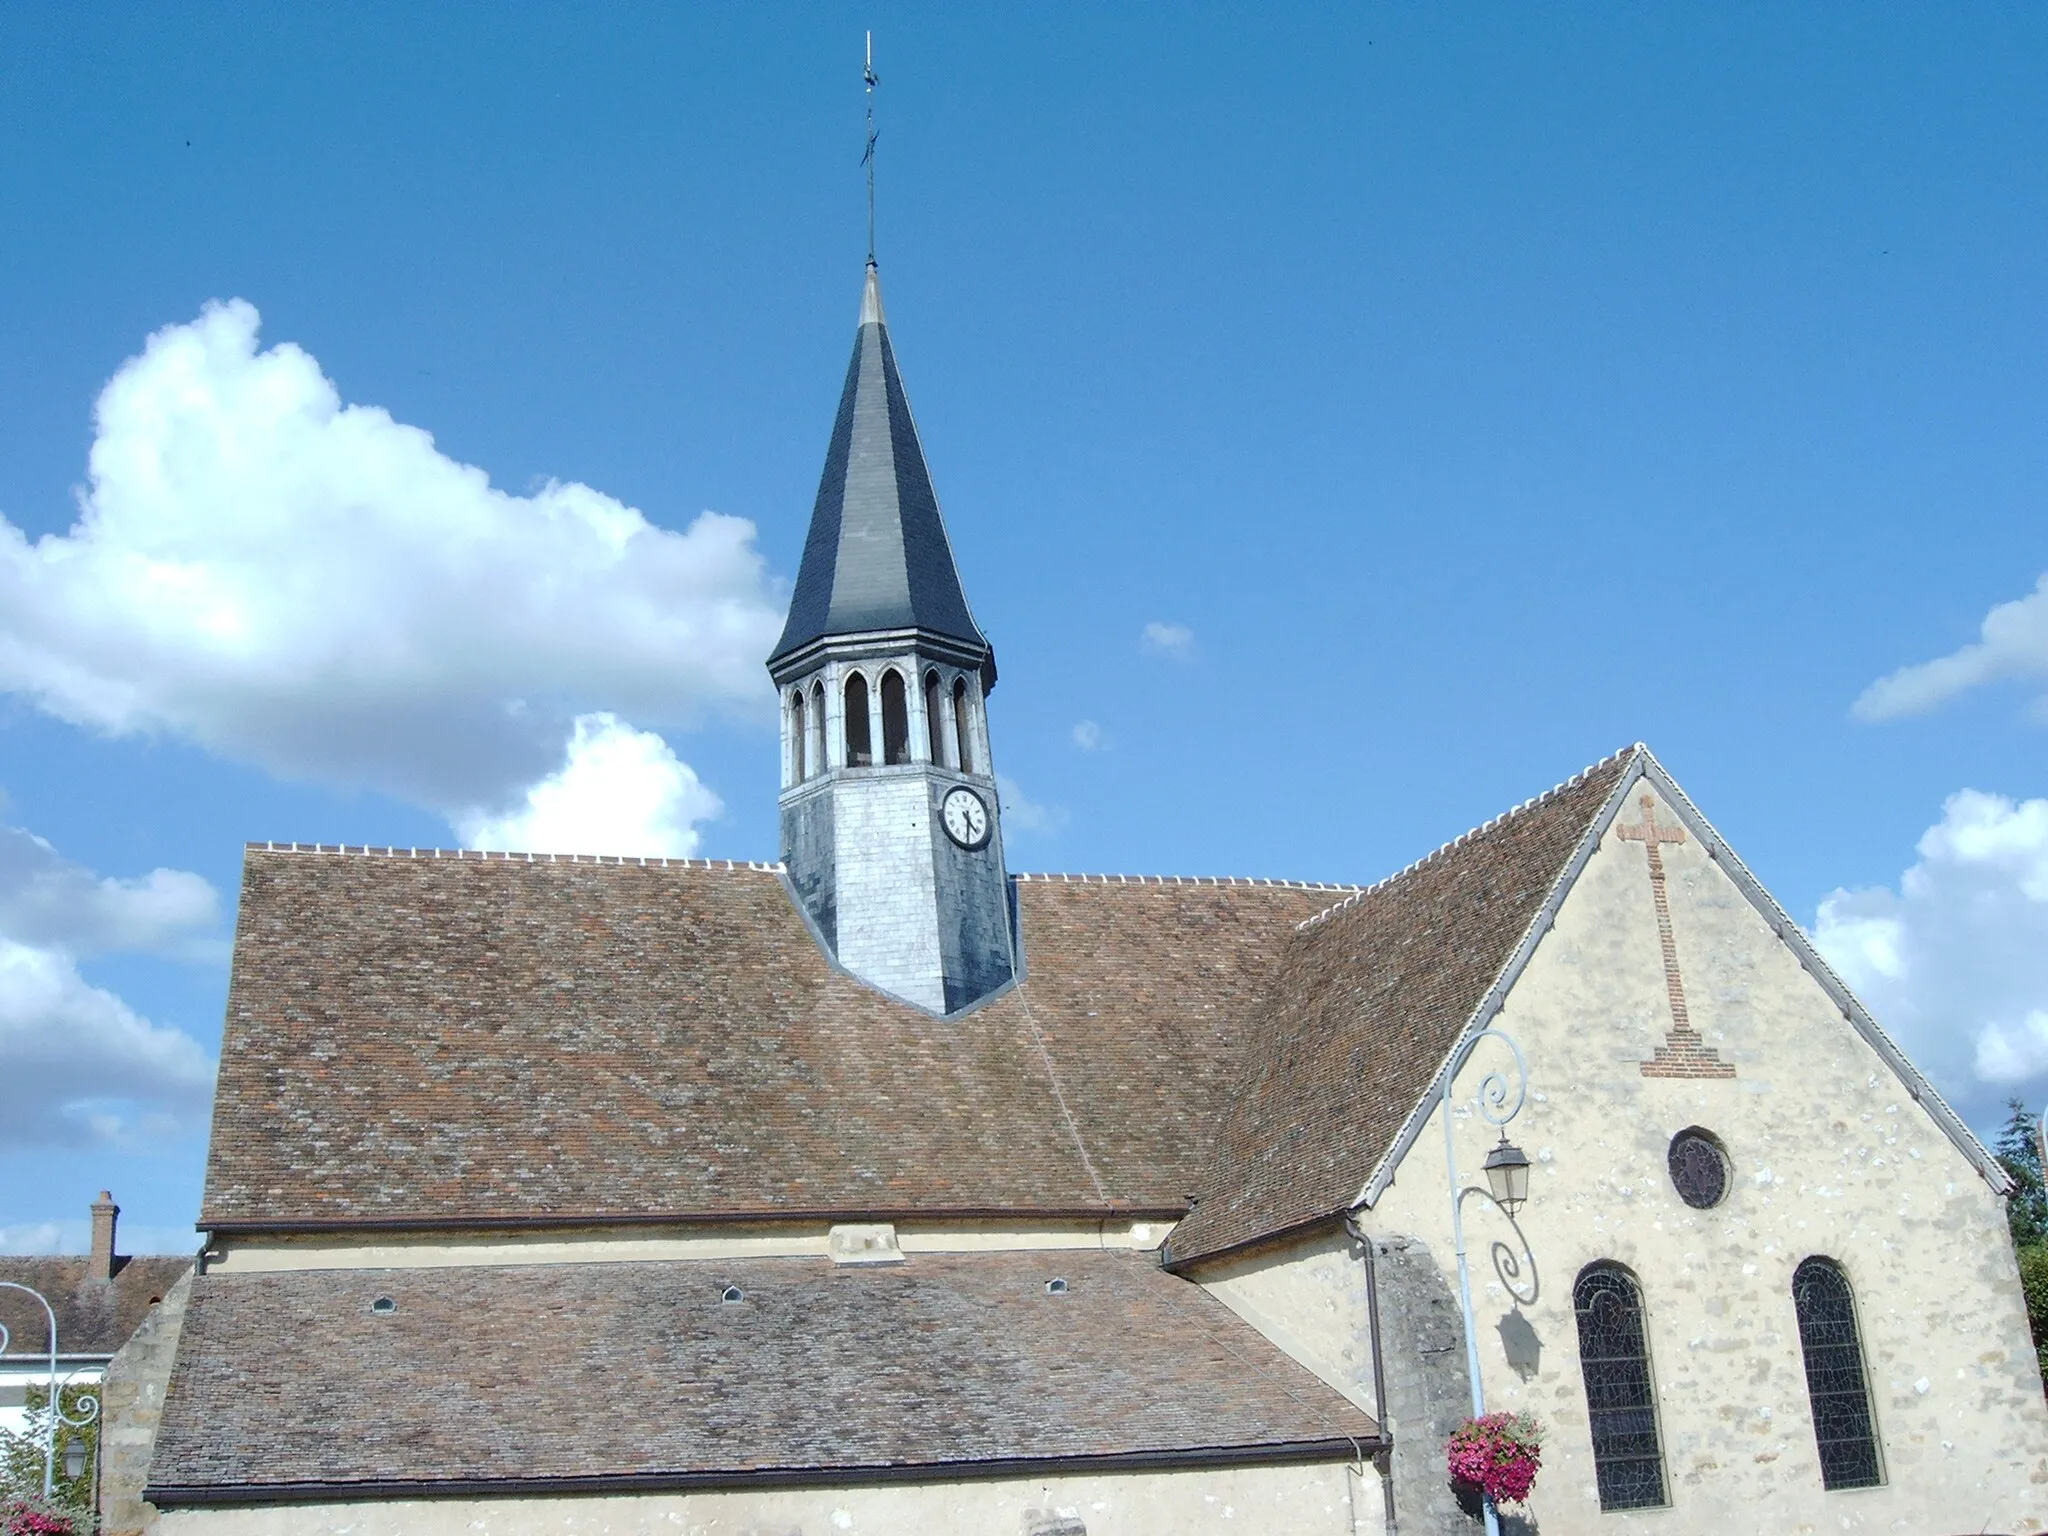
877	557
891	827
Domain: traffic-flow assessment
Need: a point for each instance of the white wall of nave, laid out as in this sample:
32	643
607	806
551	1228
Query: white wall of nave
1322	1499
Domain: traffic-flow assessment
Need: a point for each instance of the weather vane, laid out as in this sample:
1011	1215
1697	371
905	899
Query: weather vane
868	157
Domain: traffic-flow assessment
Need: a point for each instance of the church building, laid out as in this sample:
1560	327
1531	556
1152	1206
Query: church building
884	1189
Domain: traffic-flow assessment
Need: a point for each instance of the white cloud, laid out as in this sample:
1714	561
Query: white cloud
620	791
1955	961
313	588
1163	639
41	1237
1024	815
45	899
1088	736
74	1235
81	1066
2012	642
78	1065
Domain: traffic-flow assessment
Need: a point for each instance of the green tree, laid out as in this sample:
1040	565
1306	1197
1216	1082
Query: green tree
2026	1213
21	1462
2018	1150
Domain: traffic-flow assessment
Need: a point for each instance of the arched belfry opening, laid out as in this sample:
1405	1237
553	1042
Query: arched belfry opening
963	724
892	837
895	720
859	747
934	720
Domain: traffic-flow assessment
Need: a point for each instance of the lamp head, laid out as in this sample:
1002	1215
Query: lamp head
1507	1175
74	1458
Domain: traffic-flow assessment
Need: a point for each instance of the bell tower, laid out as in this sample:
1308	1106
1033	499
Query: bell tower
891	827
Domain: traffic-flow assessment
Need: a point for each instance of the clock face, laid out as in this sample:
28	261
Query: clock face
965	817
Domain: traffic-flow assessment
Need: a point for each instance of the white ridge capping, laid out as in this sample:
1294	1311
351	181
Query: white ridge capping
1645	766
1059	878
513	856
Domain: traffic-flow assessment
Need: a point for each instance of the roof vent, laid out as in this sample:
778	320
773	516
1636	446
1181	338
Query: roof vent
383	1306
731	1294
1057	1286
865	1243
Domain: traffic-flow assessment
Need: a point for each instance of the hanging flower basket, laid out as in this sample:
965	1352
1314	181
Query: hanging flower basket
1498	1454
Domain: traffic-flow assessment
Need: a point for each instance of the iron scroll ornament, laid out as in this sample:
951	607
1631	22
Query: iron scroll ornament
1500	1099
88	1404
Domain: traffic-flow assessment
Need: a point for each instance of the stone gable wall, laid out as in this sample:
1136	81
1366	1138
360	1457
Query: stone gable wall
1831	1156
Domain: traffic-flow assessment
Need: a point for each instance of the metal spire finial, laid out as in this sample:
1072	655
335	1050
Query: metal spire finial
868	158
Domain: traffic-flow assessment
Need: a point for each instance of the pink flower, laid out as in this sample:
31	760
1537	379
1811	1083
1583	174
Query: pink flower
1499	1453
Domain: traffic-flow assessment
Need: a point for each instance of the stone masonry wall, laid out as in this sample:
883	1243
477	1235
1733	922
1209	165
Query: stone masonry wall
1642	1013
131	1403
887	897
1831	1156
973	896
1310	1298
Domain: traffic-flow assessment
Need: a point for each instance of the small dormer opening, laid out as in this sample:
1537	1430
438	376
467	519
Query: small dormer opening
732	1295
963	728
860	752
383	1306
895	719
934	720
1057	1286
799	738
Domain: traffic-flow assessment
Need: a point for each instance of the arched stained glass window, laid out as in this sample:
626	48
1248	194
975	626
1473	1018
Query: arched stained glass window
1621	1403
1835	1383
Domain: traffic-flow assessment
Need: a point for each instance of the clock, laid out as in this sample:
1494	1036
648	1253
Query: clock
965	818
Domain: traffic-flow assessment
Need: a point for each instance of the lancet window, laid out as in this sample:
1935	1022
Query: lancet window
818	727
934	721
799	738
1835	1383
963	724
1621	1404
859	745
895	719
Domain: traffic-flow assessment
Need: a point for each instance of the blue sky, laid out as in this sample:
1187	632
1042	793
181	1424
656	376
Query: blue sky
1452	396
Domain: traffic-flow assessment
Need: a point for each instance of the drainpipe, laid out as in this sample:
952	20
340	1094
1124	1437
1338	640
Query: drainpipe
1379	1370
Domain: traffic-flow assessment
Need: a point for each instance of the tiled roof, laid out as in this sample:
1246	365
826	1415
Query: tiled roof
640	1375
438	1040
1366	1006
877	556
94	1317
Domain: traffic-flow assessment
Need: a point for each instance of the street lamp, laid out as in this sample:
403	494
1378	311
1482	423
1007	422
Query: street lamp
1507	1186
88	1405
74	1458
1507	1175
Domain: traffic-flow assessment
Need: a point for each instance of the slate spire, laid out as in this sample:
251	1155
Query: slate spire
877	557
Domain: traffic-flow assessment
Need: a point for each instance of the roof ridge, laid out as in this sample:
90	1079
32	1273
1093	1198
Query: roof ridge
496	856
1058	878
1360	893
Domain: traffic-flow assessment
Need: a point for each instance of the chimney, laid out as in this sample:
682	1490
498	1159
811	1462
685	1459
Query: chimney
101	1265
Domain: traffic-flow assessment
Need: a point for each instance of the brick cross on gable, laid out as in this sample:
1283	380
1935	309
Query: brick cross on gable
1684	1053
